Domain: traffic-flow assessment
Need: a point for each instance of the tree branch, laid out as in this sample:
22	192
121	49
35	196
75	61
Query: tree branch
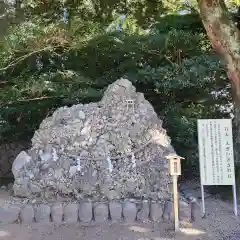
159	53
25	100
22	58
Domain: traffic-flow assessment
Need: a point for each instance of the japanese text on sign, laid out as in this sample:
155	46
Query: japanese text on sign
216	152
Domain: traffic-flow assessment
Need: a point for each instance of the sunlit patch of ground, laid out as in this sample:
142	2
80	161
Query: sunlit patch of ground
4	234
139	229
192	231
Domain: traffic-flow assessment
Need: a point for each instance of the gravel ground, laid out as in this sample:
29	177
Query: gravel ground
104	232
219	224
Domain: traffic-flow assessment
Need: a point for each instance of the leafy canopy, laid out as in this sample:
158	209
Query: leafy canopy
56	53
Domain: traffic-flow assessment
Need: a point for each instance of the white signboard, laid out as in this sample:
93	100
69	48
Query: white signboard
216	152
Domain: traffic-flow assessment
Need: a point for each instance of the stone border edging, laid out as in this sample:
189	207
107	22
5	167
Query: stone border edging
95	212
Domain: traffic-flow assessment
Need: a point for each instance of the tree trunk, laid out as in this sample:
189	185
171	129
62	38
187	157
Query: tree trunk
225	38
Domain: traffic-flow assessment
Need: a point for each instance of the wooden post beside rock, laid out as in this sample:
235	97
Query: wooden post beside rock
175	171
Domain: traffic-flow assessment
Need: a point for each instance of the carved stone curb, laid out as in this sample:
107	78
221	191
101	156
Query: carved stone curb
9	213
85	213
116	211
27	214
193	209
57	212
143	211
42	213
101	212
187	198
185	211
128	211
70	213
156	211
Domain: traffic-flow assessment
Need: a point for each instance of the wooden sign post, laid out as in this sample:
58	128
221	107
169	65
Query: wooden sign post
174	165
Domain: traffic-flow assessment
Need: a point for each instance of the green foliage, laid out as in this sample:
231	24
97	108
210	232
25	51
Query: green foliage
47	64
189	22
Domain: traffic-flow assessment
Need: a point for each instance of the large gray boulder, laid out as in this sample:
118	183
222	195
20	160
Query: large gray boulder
114	148
20	163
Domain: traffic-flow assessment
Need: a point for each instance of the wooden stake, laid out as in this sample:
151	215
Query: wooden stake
175	202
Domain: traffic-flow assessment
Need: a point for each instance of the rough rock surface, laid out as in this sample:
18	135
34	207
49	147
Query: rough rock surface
114	148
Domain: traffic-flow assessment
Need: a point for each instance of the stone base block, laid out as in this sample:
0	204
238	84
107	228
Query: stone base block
129	211
42	214
167	211
115	211
70	213
184	211
57	212
9	213
85	212
156	211
101	212
27	214
193	207
143	214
